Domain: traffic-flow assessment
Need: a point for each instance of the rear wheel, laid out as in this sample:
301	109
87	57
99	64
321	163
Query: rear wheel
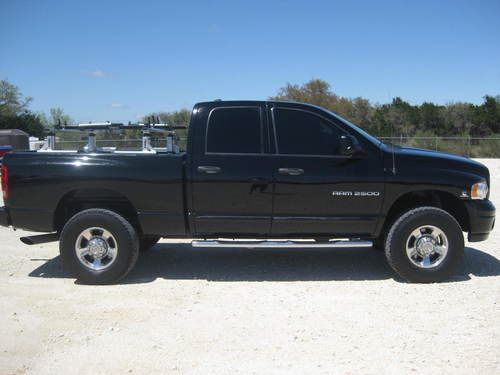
425	245
98	246
146	243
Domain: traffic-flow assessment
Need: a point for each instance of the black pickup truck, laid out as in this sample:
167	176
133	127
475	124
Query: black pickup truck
252	169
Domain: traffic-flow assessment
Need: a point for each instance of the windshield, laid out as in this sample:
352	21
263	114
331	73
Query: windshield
367	135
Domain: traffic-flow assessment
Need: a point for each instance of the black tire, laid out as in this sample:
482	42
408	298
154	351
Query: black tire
122	231
146	243
400	232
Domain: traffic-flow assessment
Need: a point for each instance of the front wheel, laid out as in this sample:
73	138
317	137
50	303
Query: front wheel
425	245
98	246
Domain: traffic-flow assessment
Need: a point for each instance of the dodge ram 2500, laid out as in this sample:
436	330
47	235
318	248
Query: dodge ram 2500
252	169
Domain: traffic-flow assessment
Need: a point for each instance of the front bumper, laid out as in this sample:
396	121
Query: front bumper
481	219
4	217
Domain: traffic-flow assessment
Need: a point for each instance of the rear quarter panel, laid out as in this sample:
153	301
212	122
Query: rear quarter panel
152	183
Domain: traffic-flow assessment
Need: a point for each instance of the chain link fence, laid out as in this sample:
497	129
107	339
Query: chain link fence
466	146
472	147
118	144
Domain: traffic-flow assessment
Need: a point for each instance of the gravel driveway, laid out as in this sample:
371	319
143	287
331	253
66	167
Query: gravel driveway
201	311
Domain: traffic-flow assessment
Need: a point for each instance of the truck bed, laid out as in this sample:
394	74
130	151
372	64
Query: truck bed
151	183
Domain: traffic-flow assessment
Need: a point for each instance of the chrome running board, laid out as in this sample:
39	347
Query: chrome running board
281	244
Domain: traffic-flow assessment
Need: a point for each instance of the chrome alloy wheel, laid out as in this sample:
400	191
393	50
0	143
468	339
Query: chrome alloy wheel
427	246
96	248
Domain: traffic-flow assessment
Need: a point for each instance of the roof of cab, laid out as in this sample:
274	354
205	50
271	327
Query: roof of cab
221	103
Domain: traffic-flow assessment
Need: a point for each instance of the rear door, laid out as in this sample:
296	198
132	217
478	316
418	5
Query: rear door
318	191
230	172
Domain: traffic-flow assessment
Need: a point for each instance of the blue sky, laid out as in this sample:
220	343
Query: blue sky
116	60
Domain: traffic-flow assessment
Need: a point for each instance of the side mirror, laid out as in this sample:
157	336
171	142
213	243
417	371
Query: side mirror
349	146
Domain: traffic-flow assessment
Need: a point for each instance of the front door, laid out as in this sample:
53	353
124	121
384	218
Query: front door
231	175
319	192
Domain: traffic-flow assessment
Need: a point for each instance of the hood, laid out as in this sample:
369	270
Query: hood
440	160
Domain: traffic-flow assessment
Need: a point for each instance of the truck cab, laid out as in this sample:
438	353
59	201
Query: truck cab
271	169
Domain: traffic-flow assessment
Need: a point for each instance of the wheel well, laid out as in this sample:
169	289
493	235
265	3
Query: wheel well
434	198
79	200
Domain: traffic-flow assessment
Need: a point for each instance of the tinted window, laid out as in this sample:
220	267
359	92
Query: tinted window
234	130
303	133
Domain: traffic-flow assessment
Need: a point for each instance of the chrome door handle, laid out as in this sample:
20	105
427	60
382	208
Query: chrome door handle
208	169
291	171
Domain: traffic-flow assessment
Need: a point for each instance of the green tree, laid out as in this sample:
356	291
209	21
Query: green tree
56	116
486	117
316	91
12	102
381	125
14	113
178	118
28	122
400	118
403	117
459	118
432	118
363	112
319	92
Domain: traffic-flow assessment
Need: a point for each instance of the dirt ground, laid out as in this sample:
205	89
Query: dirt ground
201	311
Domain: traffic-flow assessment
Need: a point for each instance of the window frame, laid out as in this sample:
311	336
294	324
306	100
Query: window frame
261	128
276	146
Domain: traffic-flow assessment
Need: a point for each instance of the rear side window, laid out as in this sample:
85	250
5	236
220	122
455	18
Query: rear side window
234	130
304	133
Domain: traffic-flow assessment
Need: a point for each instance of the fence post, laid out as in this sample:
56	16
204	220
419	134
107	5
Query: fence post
436	143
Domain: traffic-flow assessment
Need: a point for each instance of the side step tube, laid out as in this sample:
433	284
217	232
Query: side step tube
42	238
282	244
